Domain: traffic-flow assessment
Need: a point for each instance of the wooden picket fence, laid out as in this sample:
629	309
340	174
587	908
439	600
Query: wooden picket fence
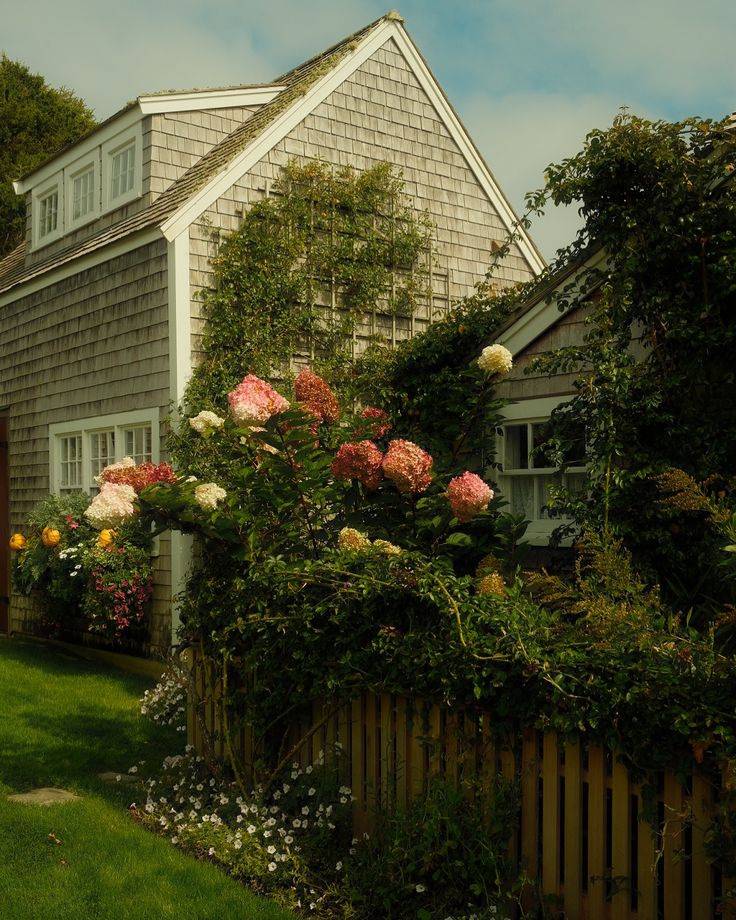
581	838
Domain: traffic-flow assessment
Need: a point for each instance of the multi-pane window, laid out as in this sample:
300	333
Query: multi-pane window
529	471
122	174
81	450
138	443
101	450
528	467
48	214
83	194
70	463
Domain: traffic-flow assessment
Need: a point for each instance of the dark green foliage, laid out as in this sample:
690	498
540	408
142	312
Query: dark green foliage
36	121
656	372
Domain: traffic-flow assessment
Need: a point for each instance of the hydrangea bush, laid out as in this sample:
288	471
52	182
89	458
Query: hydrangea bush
89	560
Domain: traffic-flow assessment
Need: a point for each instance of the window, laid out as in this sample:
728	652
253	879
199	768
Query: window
526	472
80	450
70	463
122	159
48	214
123	172
83	194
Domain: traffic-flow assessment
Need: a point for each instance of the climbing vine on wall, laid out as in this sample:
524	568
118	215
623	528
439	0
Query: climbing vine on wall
327	246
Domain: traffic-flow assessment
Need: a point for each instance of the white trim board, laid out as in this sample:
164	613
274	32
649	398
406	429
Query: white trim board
285	123
543	315
196	100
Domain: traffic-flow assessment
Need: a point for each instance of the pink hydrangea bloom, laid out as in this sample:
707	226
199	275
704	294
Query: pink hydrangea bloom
407	466
316	396
468	495
112	506
359	460
138	476
376	423
253	401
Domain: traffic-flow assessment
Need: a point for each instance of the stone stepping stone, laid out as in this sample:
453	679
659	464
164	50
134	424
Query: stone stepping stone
112	777
45	796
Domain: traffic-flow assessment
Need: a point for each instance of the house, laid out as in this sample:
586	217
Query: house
99	319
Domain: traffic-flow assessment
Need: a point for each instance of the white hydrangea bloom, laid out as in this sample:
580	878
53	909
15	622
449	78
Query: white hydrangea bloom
495	359
207	495
206	422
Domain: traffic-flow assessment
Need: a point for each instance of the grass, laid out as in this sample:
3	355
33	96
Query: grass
64	721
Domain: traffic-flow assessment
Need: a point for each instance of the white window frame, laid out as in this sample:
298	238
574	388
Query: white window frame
74	173
85	428
133	139
530	412
54	186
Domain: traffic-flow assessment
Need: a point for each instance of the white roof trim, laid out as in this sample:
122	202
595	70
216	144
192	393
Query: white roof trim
542	316
467	148
79	264
207	99
275	132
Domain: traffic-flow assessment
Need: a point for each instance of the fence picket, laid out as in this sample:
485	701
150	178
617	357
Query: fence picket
578	811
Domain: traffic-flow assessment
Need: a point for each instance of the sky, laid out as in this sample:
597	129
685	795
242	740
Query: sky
528	78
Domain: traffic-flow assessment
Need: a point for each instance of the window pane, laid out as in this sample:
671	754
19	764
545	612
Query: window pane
83	194
123	172
70	472
516	455
48	214
101	451
522	496
138	443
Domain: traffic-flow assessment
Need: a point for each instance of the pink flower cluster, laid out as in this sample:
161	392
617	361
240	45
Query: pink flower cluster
316	396
407	466
359	460
253	401
468	495
376	423
138	476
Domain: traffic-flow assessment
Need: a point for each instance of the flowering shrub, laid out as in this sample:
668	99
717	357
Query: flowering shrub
495	359
316	396
253	401
407	466
468	495
361	461
90	576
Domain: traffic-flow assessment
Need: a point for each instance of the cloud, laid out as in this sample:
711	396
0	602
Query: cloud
521	134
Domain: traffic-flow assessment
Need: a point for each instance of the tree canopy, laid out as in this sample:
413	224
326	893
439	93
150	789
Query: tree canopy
36	121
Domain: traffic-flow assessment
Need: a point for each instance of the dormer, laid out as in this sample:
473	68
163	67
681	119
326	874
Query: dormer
125	163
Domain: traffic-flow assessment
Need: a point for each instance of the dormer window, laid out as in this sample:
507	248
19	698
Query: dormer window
48	214
83	194
122	157
123	172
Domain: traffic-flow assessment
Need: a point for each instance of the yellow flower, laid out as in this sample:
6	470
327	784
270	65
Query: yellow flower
353	540
492	584
390	549
17	542
106	537
50	537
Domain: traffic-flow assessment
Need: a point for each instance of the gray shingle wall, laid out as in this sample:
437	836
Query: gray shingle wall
93	344
520	384
174	141
382	113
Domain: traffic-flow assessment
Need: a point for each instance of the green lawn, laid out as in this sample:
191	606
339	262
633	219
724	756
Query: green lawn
63	721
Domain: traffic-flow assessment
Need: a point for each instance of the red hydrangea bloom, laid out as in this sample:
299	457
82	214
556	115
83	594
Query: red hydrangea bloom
140	476
407	466
468	495
376	423
316	396
359	460
253	401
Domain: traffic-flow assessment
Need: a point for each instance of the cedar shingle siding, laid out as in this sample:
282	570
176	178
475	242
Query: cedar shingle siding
97	342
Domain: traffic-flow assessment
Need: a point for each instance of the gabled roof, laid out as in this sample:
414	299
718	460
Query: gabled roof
301	90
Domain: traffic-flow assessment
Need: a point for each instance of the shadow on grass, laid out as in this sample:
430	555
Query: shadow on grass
65	720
